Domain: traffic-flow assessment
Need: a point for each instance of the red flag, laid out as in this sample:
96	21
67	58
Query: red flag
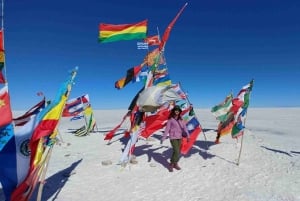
152	40
155	122
5	110
111	133
169	28
187	145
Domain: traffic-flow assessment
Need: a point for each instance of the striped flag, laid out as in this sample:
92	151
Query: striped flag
117	32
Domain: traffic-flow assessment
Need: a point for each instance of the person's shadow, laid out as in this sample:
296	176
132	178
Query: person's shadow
55	183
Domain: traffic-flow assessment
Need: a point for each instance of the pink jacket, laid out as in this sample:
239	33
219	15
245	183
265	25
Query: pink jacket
173	130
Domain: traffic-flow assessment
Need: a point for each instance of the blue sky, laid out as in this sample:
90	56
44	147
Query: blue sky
215	47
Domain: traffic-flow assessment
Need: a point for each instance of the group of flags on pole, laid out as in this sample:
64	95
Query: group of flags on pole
26	141
231	113
78	108
150	108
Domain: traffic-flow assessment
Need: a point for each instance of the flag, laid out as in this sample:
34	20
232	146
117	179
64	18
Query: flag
220	111
152	40
2	58
91	119
161	78
130	75
155	122
16	153
193	127
169	28
8	179
243	98
23	119
130	146
6	116
5	110
153	57
39	143
110	134
117	32
76	105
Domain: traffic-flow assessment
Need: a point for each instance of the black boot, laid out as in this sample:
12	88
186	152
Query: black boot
176	166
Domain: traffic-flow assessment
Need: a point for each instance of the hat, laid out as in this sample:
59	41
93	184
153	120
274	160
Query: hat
176	107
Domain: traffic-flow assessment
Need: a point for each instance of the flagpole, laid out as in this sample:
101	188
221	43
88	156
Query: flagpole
46	163
240	152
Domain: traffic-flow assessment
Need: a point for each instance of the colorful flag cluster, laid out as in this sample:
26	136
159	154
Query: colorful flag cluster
231	112
44	132
151	107
16	152
90	122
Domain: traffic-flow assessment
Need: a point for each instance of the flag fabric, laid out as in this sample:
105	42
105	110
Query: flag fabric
154	57
6	116
243	97
130	75
167	32
41	141
117	32
220	111
23	119
155	122
16	153
161	78
77	117
193	127
91	121
152	40
130	146
8	179
111	134
76	105
2	58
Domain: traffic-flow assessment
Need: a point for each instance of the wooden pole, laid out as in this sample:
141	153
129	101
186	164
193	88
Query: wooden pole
240	152
44	169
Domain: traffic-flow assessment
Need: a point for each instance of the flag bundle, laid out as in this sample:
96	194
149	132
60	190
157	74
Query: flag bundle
16	152
42	140
232	111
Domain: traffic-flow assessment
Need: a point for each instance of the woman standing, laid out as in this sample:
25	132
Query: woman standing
174	128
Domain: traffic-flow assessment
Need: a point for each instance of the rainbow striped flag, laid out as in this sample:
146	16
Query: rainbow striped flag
117	32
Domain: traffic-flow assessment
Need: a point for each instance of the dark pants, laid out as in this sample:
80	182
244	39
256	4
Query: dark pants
176	144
